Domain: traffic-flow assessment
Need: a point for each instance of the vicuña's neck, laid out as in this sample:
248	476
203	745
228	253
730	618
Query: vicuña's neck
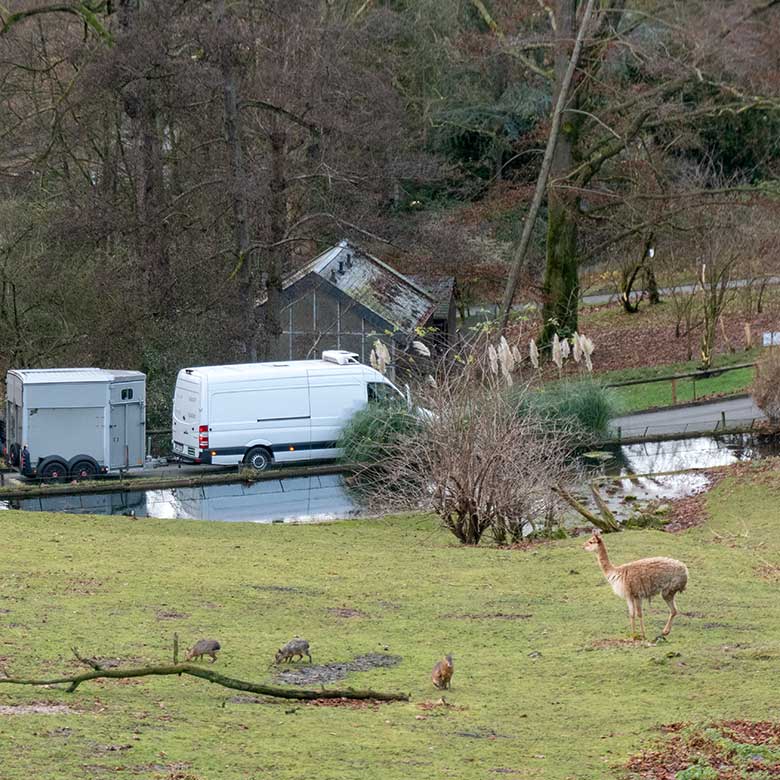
606	566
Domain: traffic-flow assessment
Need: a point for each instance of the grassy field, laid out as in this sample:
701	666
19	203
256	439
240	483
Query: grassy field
638	397
540	688
635	398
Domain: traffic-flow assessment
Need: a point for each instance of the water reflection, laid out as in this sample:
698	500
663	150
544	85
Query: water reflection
705	452
652	459
325	497
301	499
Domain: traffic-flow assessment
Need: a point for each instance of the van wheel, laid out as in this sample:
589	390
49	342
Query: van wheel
258	458
14	452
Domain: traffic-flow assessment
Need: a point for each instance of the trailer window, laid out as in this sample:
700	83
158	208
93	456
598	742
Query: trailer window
127	394
383	393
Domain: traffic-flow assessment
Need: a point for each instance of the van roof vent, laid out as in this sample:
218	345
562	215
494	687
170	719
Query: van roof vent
340	356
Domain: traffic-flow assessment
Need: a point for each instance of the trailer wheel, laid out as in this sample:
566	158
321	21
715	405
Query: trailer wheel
83	467
258	458
13	454
52	469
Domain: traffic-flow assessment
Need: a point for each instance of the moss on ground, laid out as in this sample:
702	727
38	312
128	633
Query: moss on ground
541	687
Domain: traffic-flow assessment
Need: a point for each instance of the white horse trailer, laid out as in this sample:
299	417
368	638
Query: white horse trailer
75	422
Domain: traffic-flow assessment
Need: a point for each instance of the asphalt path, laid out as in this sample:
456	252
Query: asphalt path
686	419
482	312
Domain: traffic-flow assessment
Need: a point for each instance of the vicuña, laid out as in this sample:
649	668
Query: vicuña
642	579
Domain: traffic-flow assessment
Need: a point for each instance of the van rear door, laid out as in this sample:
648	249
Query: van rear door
186	415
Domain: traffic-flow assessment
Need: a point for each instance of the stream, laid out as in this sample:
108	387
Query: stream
326	497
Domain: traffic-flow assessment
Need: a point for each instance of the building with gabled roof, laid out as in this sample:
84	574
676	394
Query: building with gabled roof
346	299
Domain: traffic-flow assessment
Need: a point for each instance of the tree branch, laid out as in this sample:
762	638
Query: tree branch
300	121
204	674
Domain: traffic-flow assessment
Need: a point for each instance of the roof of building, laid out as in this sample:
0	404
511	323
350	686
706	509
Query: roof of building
395	298
45	376
441	288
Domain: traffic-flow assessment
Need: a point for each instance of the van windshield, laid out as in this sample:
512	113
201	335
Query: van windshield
383	393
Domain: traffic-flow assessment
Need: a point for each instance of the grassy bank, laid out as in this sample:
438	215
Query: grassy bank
540	690
635	398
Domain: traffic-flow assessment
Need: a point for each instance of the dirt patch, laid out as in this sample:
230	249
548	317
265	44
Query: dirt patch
111	748
439	704
108	663
319	674
243	698
38	708
82	586
606	644
491	616
346	612
530	544
715	747
769	571
282	589
352	704
170	614
487	734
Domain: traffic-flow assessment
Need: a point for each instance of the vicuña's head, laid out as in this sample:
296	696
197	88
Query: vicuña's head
593	543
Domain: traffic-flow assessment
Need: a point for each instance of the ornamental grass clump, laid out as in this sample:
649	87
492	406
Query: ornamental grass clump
582	408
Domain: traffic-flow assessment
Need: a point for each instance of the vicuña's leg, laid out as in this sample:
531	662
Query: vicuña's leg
638	610
641	617
631	616
669	599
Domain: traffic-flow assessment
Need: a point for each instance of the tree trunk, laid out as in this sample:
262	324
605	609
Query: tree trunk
651	286
141	108
272	329
561	279
557	155
626	285
238	188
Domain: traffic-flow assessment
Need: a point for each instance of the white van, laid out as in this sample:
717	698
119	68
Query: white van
259	413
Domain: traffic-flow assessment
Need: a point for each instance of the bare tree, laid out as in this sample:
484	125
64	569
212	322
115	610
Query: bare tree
473	457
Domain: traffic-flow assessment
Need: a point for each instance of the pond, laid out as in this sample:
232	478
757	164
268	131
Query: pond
641	468
326	497
302	499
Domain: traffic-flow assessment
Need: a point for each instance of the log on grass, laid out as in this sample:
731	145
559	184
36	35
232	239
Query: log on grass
207	674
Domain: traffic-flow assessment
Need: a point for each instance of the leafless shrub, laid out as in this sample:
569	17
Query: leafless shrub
766	385
473	459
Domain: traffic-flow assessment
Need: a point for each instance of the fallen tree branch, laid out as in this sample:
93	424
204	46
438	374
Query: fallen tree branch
606	524
206	674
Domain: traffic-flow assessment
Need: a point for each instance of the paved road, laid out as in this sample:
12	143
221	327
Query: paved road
482	312
684	419
665	291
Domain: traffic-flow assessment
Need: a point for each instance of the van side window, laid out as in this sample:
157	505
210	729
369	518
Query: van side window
127	394
379	392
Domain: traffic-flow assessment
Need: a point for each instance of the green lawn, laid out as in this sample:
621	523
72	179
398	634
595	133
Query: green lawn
635	398
539	696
